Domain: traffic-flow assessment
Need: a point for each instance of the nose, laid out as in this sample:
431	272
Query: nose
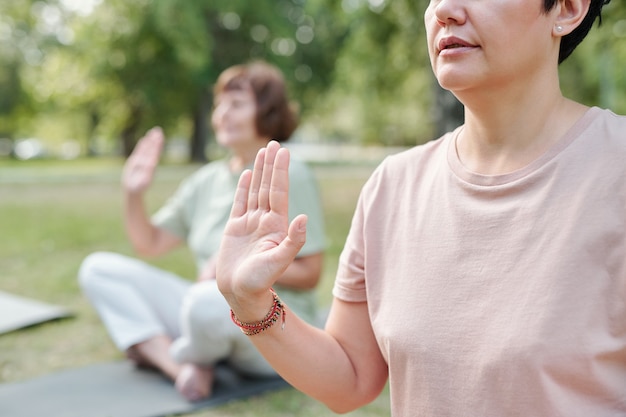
218	115
221	110
449	12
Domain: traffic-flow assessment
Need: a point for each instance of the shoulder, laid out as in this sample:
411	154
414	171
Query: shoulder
602	140
417	153
300	171
412	163
218	166
595	155
608	126
608	116
210	173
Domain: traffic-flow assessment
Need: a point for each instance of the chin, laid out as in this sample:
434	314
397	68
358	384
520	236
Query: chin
449	85
227	141
453	81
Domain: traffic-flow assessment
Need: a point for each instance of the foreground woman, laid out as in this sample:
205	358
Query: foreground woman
485	272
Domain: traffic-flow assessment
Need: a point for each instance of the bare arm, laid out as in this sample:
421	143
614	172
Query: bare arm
341	365
137	177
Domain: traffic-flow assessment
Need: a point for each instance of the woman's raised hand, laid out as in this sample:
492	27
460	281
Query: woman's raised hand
259	243
141	164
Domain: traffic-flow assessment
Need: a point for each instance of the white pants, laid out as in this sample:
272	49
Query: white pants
137	301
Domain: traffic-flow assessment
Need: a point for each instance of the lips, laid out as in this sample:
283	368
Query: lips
452	42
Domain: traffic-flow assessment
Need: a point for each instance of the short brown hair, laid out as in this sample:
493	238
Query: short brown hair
275	117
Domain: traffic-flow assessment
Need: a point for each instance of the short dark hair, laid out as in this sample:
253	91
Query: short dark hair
570	41
275	116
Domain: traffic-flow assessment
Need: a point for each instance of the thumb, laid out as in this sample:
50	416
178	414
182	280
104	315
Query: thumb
296	237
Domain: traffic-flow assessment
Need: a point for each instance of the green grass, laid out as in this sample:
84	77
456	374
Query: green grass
53	214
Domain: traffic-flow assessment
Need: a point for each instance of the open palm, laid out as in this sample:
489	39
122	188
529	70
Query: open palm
141	165
259	243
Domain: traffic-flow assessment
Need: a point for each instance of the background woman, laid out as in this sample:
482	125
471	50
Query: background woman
163	320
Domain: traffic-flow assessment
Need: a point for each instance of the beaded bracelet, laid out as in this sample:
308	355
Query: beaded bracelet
277	310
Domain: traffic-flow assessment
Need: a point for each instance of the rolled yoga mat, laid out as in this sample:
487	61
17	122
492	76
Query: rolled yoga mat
18	312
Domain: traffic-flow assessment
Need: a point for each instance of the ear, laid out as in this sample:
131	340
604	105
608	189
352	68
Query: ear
569	14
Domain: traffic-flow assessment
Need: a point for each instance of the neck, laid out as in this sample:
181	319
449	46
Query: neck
506	130
243	156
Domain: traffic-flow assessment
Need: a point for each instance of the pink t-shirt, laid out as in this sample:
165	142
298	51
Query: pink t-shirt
498	296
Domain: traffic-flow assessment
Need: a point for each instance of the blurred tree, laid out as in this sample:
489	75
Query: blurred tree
20	45
51	65
374	50
121	67
594	73
385	91
210	36
358	68
166	54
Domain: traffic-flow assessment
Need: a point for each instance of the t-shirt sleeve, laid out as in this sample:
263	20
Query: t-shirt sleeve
304	198
175	215
350	280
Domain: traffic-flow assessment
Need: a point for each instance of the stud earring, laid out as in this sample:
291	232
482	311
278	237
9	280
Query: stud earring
559	28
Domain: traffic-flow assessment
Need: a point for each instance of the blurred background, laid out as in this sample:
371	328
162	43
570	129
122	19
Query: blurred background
88	77
82	80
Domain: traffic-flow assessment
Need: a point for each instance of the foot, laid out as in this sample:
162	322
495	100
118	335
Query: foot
194	382
154	353
133	354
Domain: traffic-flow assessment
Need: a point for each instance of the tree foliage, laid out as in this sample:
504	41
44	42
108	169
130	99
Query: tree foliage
105	71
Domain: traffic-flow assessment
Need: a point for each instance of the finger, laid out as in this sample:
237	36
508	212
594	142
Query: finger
240	201
148	149
257	173
268	169
279	190
154	144
296	237
152	137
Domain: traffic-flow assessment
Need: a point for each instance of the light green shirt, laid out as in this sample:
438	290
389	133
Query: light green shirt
199	209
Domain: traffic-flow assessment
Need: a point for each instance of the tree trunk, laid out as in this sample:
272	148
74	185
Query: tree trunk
200	132
94	121
129	135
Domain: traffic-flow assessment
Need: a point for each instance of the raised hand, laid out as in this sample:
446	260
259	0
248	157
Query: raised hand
259	243
140	166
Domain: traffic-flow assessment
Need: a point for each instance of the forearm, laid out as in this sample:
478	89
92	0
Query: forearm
146	239
344	372
313	362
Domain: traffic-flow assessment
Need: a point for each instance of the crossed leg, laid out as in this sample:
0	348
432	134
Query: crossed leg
194	382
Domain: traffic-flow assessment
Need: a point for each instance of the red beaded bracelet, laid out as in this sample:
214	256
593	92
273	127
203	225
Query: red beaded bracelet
277	310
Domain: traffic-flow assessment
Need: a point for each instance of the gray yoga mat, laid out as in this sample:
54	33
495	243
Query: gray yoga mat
17	312
119	389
